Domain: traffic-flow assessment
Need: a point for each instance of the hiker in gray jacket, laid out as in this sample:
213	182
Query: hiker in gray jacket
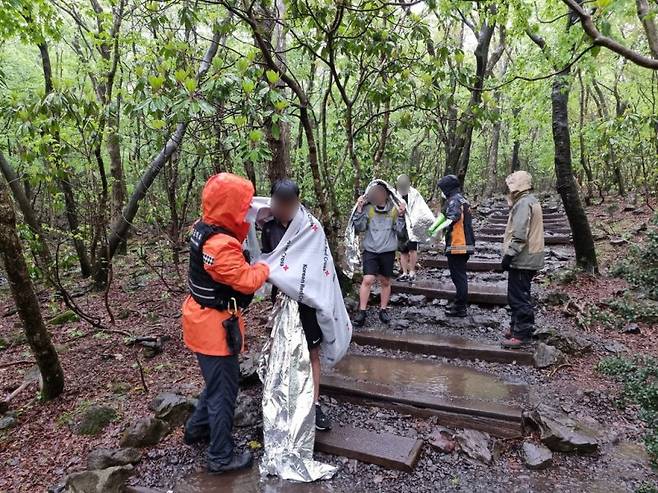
383	224
523	256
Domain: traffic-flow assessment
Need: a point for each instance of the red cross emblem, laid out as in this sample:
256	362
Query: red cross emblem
285	267
326	272
314	227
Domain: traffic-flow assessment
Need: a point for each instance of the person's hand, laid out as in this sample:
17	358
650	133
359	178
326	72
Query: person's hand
506	263
359	203
402	208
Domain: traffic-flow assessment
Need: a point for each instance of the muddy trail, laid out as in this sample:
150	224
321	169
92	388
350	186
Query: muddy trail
427	403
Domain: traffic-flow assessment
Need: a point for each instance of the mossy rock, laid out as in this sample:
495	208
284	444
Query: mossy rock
64	318
93	419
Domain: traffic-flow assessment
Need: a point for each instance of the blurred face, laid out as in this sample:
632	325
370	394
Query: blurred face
284	210
403	185
378	196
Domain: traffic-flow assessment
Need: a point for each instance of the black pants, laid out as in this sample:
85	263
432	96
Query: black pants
214	413
457	266
518	297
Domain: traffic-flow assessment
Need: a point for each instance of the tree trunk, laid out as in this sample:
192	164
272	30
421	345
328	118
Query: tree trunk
26	300
566	184
30	218
492	164
63	176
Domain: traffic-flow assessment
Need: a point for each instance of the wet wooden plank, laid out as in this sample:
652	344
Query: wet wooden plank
477	293
381	448
446	346
500	230
496	427
474	265
427	384
245	481
548	239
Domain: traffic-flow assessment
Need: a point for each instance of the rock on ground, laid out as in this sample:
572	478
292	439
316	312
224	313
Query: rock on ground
110	480
475	444
536	456
102	458
560	432
172	408
94	419
144	433
546	355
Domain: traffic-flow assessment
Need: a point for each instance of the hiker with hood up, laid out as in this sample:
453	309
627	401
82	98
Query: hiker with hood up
222	283
382	222
456	221
523	255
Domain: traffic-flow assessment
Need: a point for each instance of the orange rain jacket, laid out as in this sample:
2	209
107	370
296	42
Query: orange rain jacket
225	201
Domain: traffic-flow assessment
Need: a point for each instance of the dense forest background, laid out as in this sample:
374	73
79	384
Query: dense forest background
115	112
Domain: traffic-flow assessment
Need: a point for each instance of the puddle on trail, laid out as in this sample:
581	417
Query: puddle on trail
429	378
247	481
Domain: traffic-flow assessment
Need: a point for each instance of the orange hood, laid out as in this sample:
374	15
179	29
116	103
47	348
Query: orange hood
225	200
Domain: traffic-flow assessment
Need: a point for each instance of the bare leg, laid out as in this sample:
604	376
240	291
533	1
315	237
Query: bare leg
413	260
404	263
315	370
385	296
364	291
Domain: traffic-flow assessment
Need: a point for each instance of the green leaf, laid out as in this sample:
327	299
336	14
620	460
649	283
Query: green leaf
272	76
190	85
158	124
255	135
180	75
602	3
156	82
248	86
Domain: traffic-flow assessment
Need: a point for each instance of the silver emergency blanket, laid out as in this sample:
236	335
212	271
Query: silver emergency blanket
288	404
418	218
302	267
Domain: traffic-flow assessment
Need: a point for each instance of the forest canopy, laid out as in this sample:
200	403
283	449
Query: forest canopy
115	112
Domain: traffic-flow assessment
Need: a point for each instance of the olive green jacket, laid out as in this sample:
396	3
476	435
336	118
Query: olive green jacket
524	234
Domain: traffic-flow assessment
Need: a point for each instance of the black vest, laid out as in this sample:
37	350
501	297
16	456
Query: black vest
205	291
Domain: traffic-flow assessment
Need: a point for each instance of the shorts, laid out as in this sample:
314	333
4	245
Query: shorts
378	264
409	246
312	330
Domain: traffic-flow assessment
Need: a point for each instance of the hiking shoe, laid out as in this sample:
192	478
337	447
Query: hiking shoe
456	311
402	277
360	318
238	461
322	423
411	277
514	343
384	317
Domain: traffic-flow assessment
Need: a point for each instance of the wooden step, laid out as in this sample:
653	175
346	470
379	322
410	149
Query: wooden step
477	293
459	396
440	345
244	481
548	239
500	230
381	448
473	264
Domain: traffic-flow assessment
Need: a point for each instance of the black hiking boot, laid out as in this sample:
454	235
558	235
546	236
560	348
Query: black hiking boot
360	318
456	311
384	317
322	423
191	439
238	461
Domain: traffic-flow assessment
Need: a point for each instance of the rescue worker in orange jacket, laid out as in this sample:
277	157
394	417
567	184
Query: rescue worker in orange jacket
221	283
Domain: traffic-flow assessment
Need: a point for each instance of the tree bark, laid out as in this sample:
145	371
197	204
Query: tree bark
566	184
26	300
